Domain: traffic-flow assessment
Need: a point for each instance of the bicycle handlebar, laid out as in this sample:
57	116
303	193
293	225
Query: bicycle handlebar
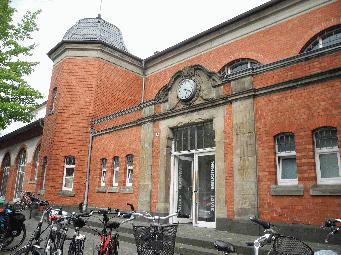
153	218
264	224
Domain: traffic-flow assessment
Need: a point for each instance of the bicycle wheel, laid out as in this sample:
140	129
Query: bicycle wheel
115	245
19	206
14	242
27	249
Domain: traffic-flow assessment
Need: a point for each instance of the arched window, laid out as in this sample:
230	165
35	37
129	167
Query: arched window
327	156
286	159
5	166
34	174
325	38
237	66
20	173
116	170
129	164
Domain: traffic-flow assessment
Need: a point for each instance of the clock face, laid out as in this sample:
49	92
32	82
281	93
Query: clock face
186	89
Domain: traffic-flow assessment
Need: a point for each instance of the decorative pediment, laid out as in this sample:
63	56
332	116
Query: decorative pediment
189	86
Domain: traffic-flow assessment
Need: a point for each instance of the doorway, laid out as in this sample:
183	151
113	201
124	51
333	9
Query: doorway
194	188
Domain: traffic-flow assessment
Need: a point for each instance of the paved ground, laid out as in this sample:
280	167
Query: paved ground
91	241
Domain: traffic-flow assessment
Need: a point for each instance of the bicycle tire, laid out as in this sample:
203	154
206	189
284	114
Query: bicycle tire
27	249
9	247
18	206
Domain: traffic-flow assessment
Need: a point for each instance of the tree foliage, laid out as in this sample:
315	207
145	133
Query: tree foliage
17	98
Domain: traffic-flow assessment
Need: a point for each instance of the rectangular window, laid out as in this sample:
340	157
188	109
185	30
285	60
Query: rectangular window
116	170
69	172
103	171
195	137
129	160
327	156
286	159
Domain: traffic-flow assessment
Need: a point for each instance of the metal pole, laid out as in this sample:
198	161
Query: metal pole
87	180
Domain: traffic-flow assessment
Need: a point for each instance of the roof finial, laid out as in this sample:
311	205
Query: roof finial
100	9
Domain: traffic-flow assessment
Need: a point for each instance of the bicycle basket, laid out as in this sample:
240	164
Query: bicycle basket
287	245
16	222
152	239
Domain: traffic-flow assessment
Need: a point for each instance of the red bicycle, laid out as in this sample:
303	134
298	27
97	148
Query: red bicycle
109	240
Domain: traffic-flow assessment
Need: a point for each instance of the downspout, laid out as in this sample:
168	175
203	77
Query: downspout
87	180
143	81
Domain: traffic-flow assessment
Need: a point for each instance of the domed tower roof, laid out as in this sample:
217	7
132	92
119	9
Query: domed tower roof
96	29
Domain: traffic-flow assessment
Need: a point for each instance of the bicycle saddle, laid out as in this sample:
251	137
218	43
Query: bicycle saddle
224	246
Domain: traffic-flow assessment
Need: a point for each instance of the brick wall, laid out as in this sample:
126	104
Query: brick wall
299	111
280	41
120	143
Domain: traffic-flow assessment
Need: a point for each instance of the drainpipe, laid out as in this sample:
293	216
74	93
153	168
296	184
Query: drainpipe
87	180
143	81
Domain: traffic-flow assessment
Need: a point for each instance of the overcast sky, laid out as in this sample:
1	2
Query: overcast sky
147	26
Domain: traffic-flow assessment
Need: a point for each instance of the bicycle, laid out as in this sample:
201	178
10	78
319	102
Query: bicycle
27	201
58	221
109	241
155	239
280	244
11	228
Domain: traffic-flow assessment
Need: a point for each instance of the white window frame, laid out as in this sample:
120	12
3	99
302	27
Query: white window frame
73	176
129	184
327	150
103	172
279	157
116	170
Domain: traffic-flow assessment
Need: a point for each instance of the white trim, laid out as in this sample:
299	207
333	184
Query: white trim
69	177
103	172
318	152
129	184
116	171
174	185
279	157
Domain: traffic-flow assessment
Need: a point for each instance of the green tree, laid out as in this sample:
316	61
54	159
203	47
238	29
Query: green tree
17	98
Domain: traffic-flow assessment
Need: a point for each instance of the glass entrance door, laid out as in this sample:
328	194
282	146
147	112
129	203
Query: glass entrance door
194	189
205	190
184	188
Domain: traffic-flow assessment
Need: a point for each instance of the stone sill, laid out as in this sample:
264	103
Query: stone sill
126	189
287	190
101	189
113	190
67	193
325	190
32	182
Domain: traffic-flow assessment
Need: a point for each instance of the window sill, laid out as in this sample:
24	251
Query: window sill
67	193
101	189
126	189
113	190
287	190
325	190
32	182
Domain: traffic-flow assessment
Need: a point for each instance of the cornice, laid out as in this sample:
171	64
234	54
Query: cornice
98	50
275	88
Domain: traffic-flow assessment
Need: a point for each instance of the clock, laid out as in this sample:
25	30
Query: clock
186	89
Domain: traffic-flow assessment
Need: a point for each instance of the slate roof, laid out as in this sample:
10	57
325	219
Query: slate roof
96	29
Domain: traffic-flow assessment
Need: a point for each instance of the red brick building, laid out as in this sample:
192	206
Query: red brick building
242	119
